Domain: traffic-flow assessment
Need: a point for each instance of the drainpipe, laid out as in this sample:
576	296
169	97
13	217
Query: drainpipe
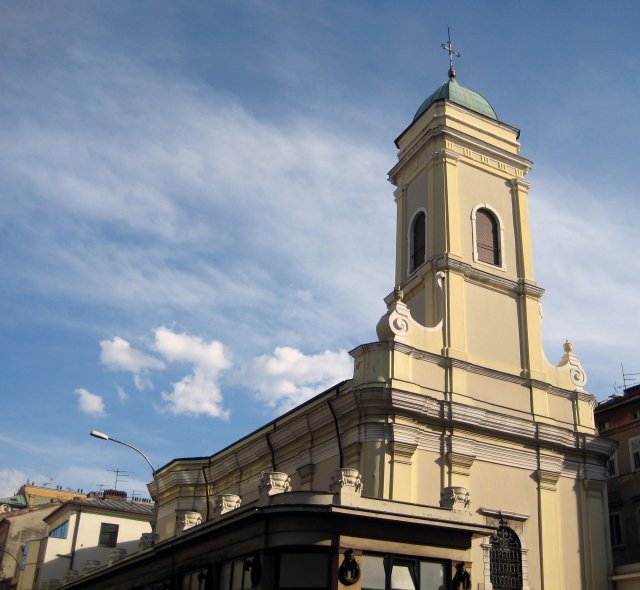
338	438
206	486
273	455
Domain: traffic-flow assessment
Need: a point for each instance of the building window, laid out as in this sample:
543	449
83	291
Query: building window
487	237
108	535
386	572
505	559
60	532
634	453
635	415
304	570
615	528
418	241
612	465
603	425
235	575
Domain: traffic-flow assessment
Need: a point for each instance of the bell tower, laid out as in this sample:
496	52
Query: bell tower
465	285
463	250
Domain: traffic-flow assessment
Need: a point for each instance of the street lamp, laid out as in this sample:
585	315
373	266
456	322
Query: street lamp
103	436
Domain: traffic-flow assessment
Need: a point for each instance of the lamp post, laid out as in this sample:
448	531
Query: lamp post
103	436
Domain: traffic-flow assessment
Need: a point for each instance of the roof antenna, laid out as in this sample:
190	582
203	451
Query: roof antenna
628	379
449	48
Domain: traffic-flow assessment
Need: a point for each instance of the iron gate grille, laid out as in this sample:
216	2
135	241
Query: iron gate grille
505	560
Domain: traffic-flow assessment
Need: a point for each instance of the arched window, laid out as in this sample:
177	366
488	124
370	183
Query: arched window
487	237
418	240
505	559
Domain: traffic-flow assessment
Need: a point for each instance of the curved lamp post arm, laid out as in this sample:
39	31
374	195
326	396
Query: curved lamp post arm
103	436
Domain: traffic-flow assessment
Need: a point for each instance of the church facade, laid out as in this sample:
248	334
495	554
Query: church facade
457	456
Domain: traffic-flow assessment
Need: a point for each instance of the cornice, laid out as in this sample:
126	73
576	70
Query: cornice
473	150
484	152
487	372
481	276
519	184
469	367
474	419
503	514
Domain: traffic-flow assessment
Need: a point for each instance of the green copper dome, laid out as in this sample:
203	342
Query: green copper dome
462	96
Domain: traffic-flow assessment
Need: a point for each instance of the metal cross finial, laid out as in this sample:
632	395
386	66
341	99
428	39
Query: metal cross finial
449	47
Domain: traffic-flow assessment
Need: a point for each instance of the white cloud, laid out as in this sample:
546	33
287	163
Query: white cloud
199	392
10	481
196	394
184	348
90	403
288	377
117	355
195	168
123	396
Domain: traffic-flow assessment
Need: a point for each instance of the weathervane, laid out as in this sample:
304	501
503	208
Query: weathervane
449	48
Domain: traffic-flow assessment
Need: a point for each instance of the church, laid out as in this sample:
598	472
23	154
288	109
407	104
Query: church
457	456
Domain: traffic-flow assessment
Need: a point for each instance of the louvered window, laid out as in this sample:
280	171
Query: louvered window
418	240
505	559
60	532
487	237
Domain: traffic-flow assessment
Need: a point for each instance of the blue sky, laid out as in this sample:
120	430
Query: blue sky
196	223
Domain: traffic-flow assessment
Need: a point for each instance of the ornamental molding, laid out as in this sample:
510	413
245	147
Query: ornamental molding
396	323
434	358
226	503
400	192
455	498
547	479
594	487
473	417
577	373
483	277
148	540
519	185
402	452
347	480
274	482
487	372
474	151
447	155
115	555
186	519
499	514
429	437
459	463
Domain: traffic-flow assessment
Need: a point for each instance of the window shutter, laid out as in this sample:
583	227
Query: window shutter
487	239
